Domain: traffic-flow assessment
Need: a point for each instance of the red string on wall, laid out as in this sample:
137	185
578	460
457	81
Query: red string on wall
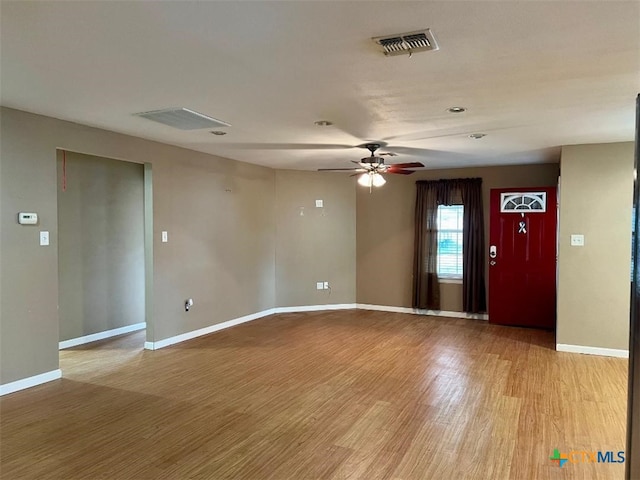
64	171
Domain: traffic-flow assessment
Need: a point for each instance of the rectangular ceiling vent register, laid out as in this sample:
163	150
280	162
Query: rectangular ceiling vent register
183	119
407	43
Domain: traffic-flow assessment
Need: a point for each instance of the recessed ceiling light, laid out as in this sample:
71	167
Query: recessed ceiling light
218	132
456	109
323	123
477	136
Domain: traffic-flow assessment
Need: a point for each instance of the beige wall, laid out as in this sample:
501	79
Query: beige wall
229	248
596	196
385	233
219	214
100	245
315	244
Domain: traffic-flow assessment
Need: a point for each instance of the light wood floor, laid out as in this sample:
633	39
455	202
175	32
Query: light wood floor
338	395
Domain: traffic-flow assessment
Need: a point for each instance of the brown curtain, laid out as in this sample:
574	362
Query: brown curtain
426	289
430	194
474	299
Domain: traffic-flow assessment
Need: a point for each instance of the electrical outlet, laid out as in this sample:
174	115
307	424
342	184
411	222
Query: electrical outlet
319	204
577	240
319	285
326	285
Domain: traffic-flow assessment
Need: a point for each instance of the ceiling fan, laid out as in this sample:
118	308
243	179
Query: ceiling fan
373	167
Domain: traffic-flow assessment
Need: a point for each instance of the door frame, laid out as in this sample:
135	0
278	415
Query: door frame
147	240
549	208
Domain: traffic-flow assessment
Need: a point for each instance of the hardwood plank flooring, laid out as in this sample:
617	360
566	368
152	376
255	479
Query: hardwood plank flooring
321	395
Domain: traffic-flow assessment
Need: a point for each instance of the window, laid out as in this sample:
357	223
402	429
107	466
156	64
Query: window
450	241
529	202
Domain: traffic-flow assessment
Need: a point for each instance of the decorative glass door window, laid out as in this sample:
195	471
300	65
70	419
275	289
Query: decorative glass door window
523	202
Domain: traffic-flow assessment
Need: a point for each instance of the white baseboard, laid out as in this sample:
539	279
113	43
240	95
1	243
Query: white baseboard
605	352
207	330
316	308
30	382
419	311
303	308
247	318
94	337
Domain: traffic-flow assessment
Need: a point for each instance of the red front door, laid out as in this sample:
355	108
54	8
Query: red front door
522	257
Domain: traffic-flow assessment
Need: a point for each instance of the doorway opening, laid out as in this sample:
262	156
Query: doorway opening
104	254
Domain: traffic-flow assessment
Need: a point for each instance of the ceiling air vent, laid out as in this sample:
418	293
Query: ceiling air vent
407	43
183	118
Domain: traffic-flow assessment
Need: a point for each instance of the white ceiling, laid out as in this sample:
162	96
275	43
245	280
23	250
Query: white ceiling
533	75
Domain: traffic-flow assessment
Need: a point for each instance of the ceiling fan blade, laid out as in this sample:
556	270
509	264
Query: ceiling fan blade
432	134
342	170
427	152
353	117
284	146
406	165
400	171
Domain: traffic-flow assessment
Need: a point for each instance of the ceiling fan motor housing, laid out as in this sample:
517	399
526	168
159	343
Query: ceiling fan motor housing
372	147
373	159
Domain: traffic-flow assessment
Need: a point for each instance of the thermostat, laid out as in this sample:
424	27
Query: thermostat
27	218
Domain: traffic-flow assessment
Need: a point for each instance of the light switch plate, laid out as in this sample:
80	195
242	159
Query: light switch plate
165	237
44	239
577	240
319	285
319	203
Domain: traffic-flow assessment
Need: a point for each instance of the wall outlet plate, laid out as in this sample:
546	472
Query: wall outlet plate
577	240
326	285
319	286
319	203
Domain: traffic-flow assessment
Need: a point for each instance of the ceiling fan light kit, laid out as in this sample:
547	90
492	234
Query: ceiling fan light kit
370	179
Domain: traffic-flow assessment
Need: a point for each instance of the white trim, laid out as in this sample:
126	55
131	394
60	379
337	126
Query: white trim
456	280
305	308
207	330
316	308
30	382
605	352
247	318
94	337
419	311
